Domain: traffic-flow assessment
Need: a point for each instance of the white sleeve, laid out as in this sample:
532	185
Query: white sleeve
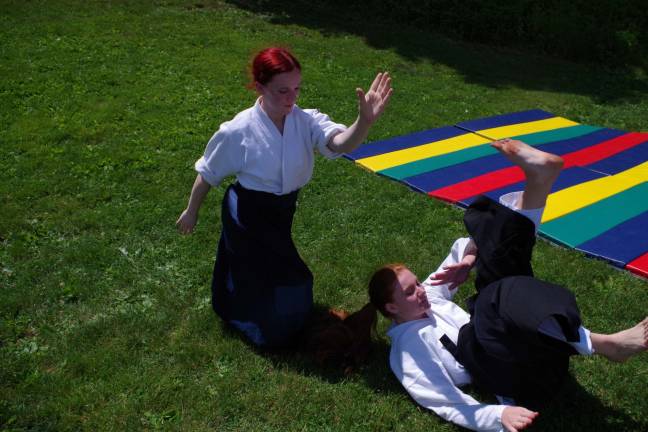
454	256
322	130
422	374
223	156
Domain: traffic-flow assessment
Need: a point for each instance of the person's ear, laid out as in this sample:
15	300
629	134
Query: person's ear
391	308
259	87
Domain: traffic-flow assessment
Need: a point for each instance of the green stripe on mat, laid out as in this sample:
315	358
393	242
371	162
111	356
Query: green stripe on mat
585	224
539	138
401	172
437	162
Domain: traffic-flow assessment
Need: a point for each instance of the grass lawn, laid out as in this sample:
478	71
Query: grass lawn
105	320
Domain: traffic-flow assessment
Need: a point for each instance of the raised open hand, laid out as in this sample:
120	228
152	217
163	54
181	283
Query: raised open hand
372	104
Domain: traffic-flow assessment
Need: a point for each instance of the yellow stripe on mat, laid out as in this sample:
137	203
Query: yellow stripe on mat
526	128
400	157
461	142
576	197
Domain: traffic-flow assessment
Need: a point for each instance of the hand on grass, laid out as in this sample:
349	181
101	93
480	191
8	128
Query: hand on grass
516	418
186	222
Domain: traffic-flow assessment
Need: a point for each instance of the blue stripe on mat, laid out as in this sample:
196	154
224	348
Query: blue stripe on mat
621	244
433	163
622	161
457	173
567	178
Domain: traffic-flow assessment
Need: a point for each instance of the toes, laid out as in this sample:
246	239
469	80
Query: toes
498	144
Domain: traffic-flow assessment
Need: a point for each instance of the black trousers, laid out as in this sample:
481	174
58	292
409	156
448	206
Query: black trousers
501	346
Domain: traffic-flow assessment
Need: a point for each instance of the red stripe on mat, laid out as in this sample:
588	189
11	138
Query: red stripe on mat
507	176
639	265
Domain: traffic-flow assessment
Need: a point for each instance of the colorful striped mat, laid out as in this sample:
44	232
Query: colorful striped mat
598	205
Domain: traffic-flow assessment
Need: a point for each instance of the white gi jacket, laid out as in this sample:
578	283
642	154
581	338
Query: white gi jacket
251	147
429	373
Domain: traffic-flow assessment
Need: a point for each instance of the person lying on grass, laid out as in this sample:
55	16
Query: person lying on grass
517	338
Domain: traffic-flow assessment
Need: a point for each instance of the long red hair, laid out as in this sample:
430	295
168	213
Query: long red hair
340	338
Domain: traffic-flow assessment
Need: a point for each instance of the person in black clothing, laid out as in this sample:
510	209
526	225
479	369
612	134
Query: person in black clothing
520	331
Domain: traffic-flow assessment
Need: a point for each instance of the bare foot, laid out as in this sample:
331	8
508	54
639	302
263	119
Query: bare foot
620	346
538	166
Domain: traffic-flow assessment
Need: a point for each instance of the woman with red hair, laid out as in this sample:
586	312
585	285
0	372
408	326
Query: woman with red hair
520	332
260	284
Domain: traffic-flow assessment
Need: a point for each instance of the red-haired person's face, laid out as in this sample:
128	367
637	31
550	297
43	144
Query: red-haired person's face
280	93
409	301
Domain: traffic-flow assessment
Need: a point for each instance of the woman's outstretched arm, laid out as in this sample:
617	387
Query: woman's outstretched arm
370	106
188	218
425	378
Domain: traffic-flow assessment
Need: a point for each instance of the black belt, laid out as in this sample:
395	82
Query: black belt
449	345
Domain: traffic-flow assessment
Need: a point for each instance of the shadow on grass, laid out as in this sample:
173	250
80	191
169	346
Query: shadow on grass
375	372
483	65
573	409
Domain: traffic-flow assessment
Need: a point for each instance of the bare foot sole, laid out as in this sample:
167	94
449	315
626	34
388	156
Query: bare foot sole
538	166
620	346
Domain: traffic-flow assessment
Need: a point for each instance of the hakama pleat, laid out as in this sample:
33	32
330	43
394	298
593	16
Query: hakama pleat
260	284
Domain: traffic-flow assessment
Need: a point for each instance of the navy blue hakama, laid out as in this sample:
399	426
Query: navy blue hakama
260	285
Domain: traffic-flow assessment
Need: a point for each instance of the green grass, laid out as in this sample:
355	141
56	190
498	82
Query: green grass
105	321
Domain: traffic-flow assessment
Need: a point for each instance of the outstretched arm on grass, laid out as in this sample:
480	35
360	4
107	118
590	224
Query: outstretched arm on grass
515	418
188	218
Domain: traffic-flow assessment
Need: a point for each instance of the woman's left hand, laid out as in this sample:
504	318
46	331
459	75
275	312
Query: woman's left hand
453	275
515	418
373	103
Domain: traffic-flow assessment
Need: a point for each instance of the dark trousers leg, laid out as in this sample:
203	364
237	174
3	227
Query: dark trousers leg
504	239
260	283
501	346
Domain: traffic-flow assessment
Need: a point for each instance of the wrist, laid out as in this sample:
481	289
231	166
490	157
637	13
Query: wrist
363	123
469	260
